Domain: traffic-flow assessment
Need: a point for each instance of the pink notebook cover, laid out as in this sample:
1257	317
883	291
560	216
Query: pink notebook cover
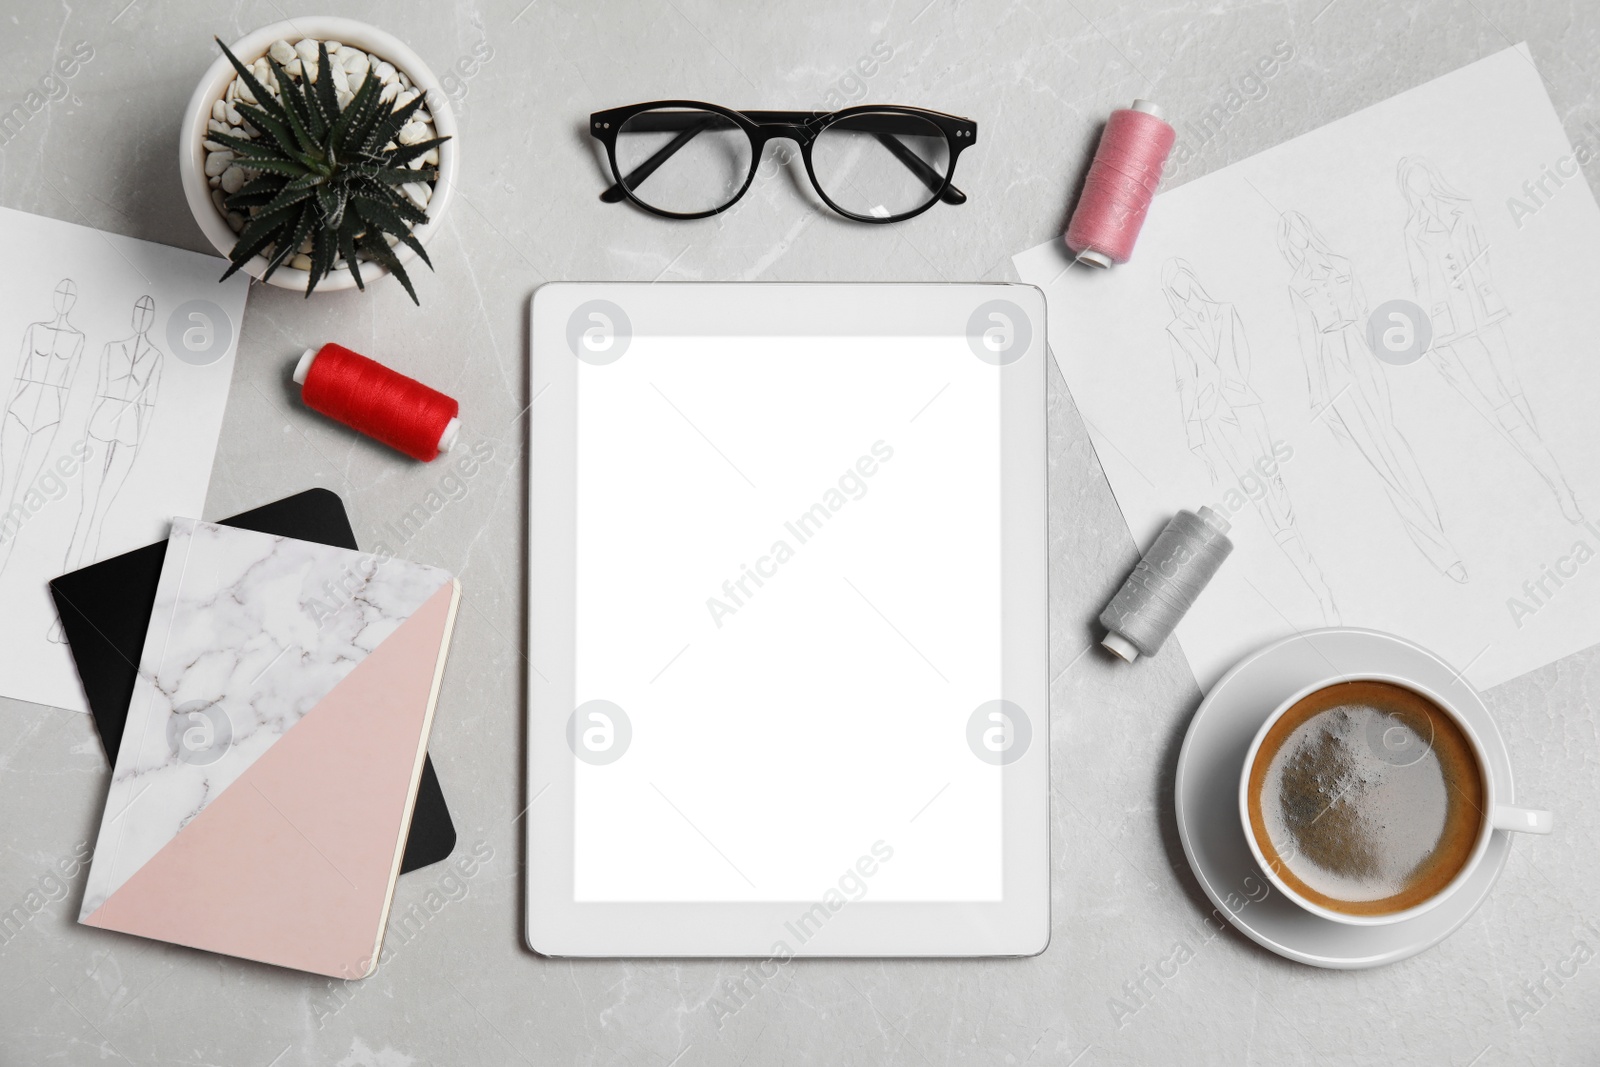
263	789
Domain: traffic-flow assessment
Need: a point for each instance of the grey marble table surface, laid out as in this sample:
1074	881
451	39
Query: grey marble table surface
1514	985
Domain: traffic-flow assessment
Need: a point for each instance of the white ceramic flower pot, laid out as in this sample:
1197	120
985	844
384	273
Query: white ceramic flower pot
192	153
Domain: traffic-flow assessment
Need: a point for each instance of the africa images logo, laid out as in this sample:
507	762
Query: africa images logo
999	332
598	332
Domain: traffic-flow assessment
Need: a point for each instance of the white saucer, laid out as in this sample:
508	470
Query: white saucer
1207	797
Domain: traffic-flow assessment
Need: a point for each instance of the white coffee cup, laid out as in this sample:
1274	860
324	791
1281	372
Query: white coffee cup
1496	816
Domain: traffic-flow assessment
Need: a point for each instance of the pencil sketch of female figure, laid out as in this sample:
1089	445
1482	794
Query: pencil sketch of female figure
119	422
38	402
1223	418
1450	268
1348	389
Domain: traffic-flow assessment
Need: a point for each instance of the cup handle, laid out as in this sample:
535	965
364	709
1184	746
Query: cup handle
1522	820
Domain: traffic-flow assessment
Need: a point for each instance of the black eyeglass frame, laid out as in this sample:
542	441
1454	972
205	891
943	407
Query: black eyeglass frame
802	127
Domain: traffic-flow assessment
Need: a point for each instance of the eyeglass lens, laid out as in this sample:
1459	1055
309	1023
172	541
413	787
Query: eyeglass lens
881	164
683	160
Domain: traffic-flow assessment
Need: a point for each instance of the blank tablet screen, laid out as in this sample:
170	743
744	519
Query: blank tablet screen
788	590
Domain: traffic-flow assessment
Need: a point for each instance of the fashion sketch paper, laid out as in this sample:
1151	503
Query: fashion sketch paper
1373	350
115	360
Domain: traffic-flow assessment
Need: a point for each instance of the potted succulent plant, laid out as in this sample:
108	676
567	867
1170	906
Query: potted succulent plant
319	164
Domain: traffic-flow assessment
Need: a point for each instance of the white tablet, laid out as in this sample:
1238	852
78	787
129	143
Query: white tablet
787	686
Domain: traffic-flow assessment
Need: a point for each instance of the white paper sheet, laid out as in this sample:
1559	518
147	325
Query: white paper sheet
115	360
1450	495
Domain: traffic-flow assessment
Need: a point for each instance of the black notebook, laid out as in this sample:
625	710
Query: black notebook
105	611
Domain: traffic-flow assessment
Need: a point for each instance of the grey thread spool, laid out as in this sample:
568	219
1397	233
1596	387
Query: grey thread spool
1163	587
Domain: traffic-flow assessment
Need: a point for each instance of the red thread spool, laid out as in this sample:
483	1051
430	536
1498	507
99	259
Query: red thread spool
381	403
1121	183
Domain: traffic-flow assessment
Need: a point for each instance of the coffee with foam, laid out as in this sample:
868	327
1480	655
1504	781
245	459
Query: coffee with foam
1366	798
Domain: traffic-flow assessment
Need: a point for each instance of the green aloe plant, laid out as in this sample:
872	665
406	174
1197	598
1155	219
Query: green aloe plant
325	172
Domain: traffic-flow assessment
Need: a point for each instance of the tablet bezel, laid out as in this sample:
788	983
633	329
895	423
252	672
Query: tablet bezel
558	925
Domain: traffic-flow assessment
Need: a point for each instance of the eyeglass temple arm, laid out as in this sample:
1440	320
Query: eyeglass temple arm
918	166
649	166
913	162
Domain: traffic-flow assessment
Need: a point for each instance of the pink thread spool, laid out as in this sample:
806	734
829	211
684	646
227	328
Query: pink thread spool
1121	183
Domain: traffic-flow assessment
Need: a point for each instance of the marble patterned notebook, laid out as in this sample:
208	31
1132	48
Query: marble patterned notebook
265	781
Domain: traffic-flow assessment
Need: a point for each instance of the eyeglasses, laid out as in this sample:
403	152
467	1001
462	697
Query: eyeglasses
687	160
